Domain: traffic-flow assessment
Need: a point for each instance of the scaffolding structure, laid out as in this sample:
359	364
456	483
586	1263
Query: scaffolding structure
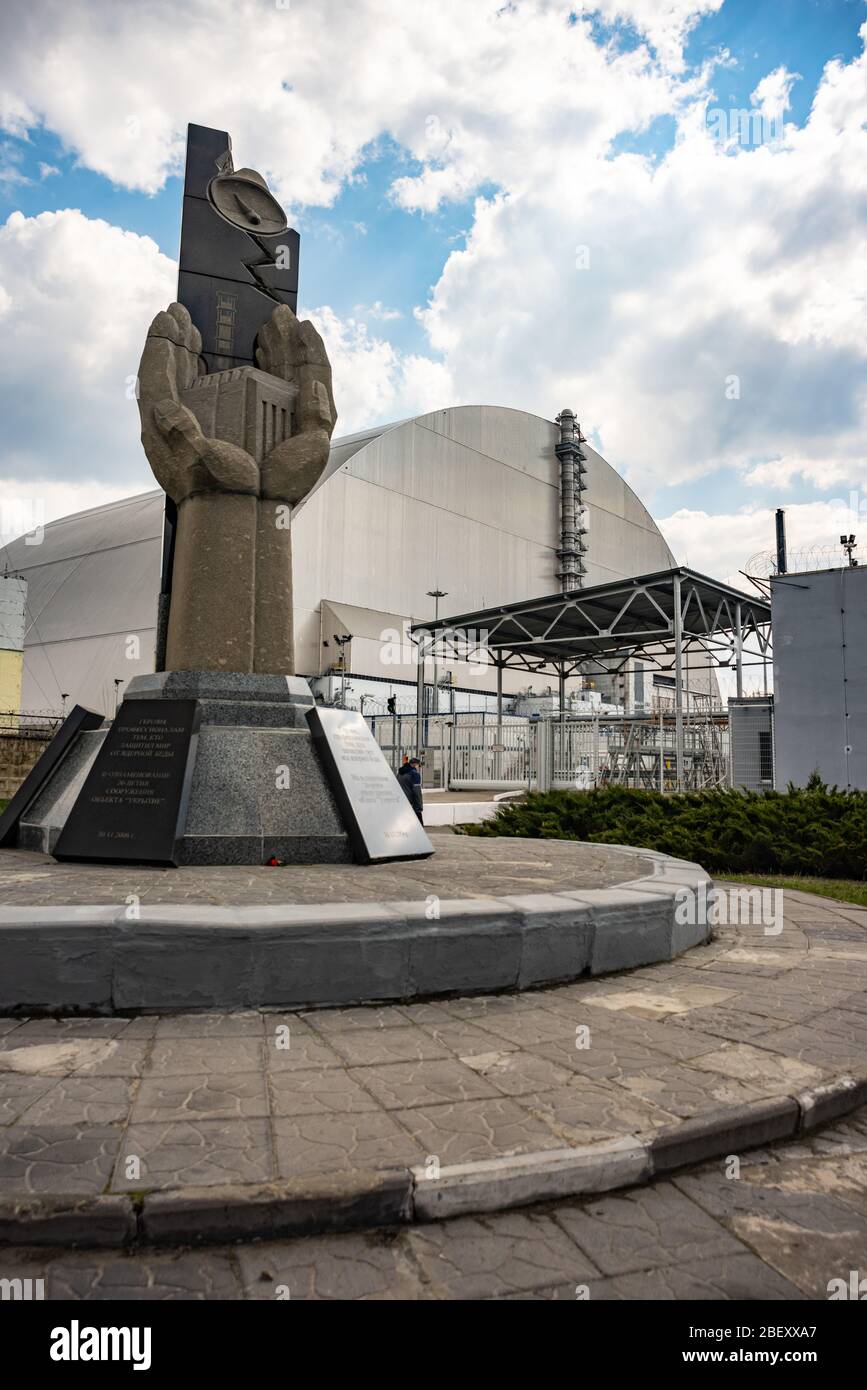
642	752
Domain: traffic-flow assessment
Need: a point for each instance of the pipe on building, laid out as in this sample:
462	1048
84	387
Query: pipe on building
572	461
781	541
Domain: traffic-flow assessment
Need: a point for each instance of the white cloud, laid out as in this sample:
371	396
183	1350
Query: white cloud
480	90
723	545
378	310
771	95
11	174
373	382
664	23
823	473
76	297
719	321
26	504
16	117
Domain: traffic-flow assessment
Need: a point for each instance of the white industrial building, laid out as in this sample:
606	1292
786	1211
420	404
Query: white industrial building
465	500
820	677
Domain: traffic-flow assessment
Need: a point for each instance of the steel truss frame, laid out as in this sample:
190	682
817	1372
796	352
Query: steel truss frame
659	618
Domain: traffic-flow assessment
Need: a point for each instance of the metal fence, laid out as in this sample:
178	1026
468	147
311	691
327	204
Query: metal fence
579	749
463	751
463	747
500	756
396	736
751	754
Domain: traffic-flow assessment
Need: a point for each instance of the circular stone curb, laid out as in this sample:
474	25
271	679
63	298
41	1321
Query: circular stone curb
105	960
388	1197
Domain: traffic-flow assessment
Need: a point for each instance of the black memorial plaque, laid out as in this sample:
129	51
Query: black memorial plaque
379	820
133	804
78	721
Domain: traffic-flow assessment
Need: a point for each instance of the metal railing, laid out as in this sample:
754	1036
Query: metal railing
497	755
466	750
465	746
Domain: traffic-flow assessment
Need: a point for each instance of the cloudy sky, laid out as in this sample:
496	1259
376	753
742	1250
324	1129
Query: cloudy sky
530	203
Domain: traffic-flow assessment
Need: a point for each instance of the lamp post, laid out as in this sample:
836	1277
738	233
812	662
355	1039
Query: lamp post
436	595
341	642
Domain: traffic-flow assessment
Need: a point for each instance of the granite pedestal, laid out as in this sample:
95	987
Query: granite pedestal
256	788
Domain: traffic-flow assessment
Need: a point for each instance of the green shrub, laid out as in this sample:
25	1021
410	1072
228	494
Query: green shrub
815	830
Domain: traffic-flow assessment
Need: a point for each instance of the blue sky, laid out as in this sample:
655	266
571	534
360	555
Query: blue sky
433	291
362	247
363	239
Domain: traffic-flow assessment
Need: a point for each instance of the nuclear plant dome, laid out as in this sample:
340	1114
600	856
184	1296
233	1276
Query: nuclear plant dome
464	500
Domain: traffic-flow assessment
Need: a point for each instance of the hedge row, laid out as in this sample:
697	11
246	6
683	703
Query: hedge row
814	830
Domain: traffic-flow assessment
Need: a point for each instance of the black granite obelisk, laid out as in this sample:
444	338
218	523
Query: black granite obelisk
238	257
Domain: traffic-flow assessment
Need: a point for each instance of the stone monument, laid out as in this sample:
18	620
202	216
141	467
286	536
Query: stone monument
269	430
213	760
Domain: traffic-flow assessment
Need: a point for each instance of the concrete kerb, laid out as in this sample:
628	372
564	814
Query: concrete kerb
331	1203
522	1179
334	1202
116	959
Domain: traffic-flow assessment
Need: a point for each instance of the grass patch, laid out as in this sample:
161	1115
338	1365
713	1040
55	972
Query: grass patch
845	890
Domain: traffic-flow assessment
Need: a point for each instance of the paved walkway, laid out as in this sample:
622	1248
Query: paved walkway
463	867
119	1105
792	1221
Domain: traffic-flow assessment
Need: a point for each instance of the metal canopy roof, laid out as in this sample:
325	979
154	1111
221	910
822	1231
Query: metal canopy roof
617	621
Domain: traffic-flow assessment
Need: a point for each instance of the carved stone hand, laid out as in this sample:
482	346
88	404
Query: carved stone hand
183	460
231	603
294	351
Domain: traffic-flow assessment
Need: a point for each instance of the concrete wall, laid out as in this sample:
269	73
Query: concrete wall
819	627
17	757
13	607
11	683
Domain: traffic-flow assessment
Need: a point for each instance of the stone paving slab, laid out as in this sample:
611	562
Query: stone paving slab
472	1102
463	866
789	1226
